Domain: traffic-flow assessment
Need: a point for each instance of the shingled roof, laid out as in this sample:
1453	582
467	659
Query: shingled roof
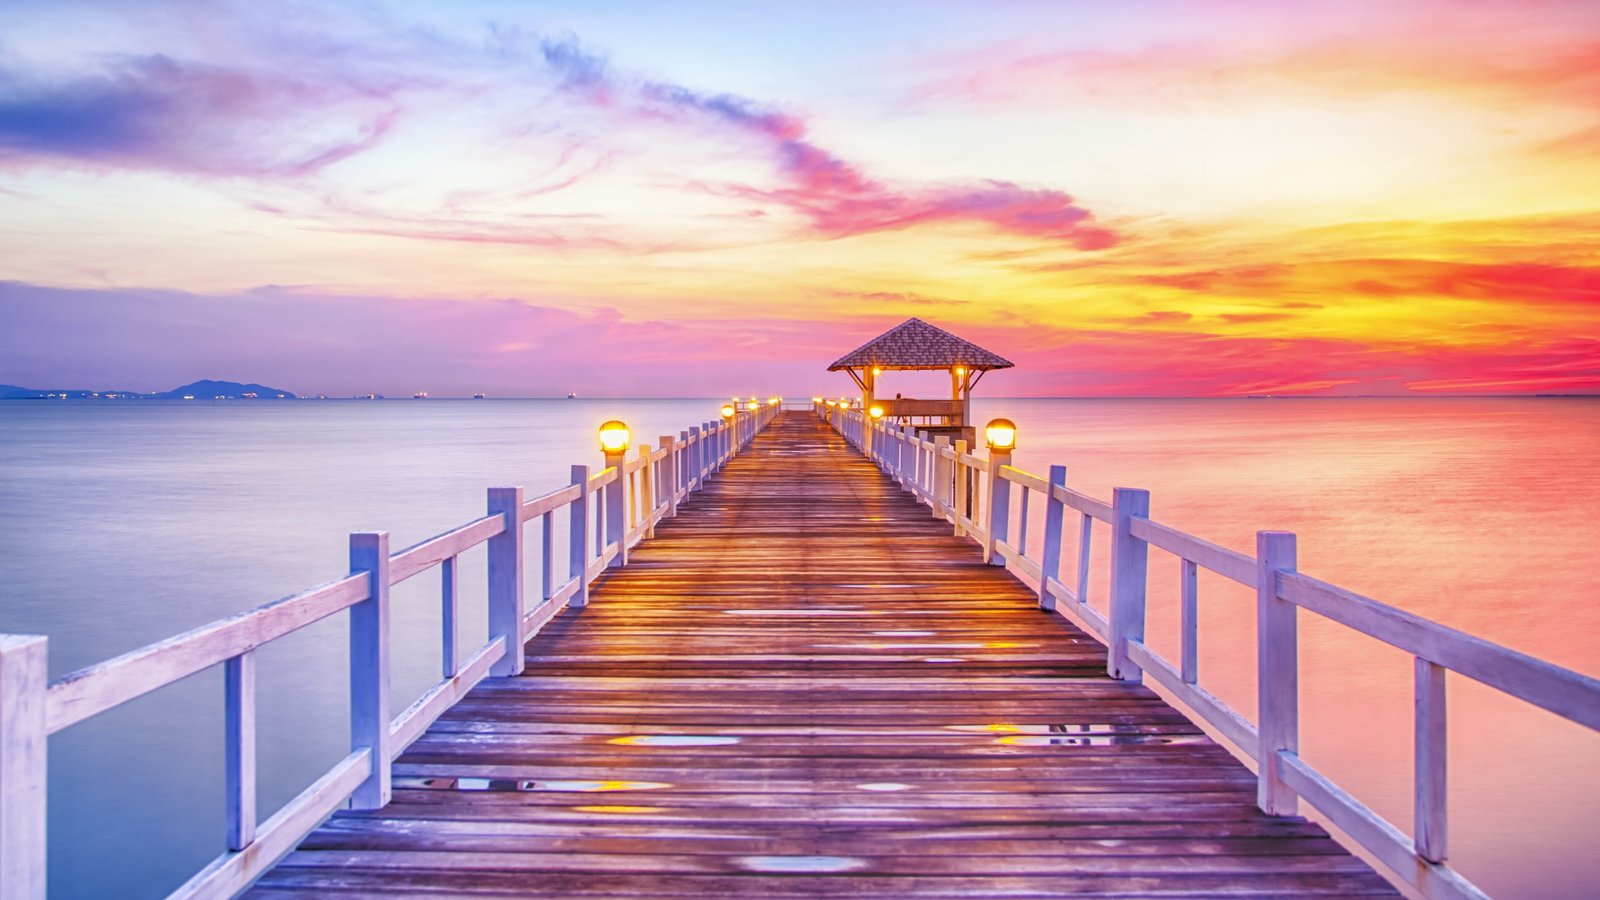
914	344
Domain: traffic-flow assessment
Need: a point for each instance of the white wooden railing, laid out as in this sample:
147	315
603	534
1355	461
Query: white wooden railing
608	512
974	494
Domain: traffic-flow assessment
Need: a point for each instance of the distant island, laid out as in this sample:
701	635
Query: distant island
205	389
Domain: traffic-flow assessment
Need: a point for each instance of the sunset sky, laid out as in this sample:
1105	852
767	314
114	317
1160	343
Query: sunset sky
630	198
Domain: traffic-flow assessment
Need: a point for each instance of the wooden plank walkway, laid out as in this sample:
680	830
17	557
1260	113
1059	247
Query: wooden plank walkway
806	687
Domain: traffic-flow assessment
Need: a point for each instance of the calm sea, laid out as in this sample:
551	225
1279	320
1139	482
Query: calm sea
126	523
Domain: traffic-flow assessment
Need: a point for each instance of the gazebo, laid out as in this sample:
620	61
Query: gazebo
914	345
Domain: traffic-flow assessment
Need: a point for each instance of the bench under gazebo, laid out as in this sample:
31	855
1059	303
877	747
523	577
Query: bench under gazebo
914	345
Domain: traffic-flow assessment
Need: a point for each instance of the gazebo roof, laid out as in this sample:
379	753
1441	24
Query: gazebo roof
914	344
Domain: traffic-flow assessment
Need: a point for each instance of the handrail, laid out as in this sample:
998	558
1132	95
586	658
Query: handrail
648	488
973	493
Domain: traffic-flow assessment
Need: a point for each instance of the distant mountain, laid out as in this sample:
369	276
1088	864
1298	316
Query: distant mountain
206	389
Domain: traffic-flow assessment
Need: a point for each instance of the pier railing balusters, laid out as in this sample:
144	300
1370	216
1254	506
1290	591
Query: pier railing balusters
1277	672
507	606
547	556
667	476
449	615
963	502
1055	513
24	675
578	537
941	477
369	665
998	522
239	748
1432	737
1129	565
1189	619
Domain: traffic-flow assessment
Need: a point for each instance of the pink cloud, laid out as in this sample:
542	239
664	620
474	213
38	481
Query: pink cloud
834	194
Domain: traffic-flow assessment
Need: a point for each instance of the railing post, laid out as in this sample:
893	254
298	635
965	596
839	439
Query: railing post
547	556
904	461
24	678
999	524
963	507
669	473
1054	518
1129	559
941	475
369	666
239	748
615	497
682	463
578	537
693	469
1429	750
506	603
1277	672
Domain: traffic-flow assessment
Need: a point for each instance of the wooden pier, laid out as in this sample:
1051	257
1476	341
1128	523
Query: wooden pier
806	686
811	653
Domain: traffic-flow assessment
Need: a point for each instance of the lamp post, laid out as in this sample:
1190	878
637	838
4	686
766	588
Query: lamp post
729	419
614	444
1000	435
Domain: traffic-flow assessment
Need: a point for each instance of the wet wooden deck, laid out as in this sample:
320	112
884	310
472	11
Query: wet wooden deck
804	686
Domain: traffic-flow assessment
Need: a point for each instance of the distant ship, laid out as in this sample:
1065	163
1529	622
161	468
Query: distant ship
478	396
420	395
572	396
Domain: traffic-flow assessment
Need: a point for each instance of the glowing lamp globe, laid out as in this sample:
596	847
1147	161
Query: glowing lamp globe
614	437
727	410
1000	434
877	412
753	406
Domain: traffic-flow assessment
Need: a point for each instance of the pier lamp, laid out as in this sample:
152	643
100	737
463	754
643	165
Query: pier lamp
1000	435
614	443
753	406
876	411
614	437
727	410
774	401
833	403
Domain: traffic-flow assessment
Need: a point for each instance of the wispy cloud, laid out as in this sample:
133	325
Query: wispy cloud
835	195
155	112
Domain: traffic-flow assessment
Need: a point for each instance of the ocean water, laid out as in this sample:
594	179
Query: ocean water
127	523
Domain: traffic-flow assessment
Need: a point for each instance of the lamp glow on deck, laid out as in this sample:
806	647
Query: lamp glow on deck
1000	434
877	412
753	406
727	410
613	437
